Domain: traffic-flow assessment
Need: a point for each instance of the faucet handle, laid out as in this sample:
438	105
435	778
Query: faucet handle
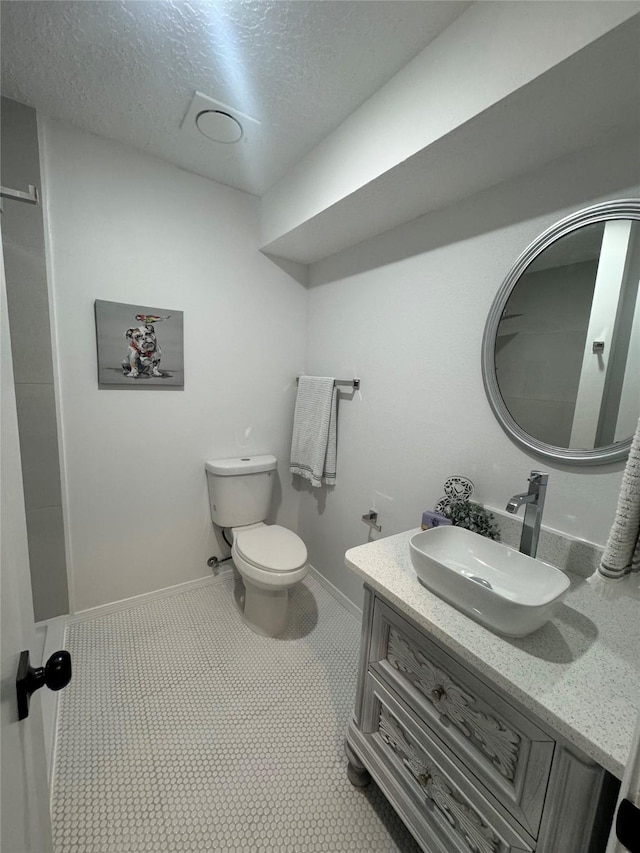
539	477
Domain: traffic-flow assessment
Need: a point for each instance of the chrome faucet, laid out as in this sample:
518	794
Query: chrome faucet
534	503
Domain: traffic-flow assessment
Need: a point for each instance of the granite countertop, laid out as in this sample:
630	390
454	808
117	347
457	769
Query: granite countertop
580	672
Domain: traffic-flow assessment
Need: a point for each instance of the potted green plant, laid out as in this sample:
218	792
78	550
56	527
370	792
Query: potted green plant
472	516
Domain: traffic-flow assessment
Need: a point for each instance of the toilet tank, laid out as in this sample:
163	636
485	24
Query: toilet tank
240	489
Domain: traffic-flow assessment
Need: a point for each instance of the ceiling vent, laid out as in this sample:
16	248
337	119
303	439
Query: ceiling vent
215	121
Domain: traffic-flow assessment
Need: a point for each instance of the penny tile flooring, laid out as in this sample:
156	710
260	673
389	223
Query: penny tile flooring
182	730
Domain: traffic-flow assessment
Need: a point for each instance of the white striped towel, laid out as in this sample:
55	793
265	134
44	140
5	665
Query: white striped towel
314	442
622	552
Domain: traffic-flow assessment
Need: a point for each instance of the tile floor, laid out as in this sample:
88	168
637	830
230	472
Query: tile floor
184	731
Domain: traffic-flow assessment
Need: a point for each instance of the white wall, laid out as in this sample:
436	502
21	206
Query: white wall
128	228
405	312
488	53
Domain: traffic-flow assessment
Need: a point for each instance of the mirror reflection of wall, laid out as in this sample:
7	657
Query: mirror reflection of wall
580	290
621	392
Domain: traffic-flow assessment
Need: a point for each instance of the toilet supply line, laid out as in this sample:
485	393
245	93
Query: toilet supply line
214	562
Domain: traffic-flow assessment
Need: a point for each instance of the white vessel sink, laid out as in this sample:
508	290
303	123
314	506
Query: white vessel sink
497	586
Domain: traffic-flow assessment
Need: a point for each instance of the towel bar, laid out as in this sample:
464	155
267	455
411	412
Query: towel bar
355	383
30	197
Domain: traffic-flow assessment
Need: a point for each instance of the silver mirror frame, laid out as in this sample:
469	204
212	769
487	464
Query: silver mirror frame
628	208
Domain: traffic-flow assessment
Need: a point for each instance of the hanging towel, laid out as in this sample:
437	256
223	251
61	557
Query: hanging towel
622	552
314	442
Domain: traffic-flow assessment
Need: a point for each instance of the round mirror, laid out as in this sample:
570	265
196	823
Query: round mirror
561	348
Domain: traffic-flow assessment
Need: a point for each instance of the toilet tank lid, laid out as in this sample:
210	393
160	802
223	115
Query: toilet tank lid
241	465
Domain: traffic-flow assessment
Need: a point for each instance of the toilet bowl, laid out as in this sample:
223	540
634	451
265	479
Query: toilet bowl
269	558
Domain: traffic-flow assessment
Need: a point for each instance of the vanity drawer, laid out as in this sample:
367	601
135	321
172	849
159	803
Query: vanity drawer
434	796
507	752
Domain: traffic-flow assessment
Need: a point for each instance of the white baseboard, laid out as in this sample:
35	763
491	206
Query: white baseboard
51	633
137	600
340	597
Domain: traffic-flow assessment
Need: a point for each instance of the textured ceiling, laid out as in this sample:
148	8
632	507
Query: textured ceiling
128	70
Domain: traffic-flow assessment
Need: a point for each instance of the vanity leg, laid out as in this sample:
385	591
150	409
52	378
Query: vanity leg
357	773
358	778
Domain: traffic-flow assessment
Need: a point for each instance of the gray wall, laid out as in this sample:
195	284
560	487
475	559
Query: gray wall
28	301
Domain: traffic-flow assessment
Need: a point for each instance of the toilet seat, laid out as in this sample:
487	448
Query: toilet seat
271	548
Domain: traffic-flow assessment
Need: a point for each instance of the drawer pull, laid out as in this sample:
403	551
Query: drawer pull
438	693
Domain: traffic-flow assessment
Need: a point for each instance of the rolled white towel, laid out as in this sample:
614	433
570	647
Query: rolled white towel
621	556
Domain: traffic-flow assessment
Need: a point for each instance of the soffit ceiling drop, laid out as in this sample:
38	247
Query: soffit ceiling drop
368	177
128	70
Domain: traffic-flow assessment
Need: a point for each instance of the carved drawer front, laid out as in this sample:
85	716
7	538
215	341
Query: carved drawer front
458	818
506	751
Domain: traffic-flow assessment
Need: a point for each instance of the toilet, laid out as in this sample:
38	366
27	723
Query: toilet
269	558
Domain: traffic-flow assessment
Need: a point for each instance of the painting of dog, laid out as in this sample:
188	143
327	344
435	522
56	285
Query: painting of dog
144	353
145	362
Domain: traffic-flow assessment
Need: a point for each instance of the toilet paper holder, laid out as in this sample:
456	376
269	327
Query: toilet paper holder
371	518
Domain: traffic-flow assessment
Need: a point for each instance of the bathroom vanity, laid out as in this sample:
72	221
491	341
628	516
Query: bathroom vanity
484	743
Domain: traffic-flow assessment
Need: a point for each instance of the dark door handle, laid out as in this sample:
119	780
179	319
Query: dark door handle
628	826
56	674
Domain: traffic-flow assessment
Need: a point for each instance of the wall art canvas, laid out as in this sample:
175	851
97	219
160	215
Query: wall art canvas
139	346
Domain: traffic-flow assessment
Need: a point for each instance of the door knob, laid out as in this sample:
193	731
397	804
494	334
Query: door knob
628	826
56	674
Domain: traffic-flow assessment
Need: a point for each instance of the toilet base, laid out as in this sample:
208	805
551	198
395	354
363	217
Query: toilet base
265	611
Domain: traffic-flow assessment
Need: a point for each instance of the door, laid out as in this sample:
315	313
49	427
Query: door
24	797
630	791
